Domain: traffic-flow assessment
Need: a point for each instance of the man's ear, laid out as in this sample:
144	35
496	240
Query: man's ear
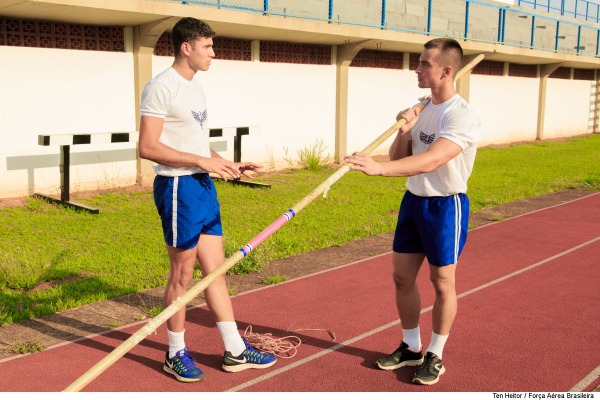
447	72
186	48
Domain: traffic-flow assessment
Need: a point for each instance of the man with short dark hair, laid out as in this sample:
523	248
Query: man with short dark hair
436	149
174	134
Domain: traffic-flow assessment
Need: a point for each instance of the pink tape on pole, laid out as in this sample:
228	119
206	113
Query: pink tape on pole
268	231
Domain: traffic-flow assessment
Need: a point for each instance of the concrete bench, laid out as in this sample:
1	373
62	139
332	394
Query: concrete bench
233	133
65	141
219	138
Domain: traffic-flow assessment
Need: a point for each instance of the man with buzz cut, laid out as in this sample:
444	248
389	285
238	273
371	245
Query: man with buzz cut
436	150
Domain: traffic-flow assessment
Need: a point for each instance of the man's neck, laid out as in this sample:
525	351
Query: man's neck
443	93
183	69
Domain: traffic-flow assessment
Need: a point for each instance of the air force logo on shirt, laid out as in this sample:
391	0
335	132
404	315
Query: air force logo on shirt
425	138
200	117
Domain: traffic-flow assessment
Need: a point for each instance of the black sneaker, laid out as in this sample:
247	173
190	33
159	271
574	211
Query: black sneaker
250	358
430	371
400	358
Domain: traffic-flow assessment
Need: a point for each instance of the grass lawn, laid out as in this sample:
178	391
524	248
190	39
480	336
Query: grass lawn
90	258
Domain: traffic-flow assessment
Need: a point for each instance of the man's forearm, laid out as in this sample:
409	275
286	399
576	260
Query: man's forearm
401	147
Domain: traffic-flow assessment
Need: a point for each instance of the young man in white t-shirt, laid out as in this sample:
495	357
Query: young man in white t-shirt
436	150
174	134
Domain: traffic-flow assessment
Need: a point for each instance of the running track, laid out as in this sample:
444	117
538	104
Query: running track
528	321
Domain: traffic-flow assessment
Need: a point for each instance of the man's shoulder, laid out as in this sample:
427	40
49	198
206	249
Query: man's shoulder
163	77
461	108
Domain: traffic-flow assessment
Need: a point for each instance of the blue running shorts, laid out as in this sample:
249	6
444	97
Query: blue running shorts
436	226
188	206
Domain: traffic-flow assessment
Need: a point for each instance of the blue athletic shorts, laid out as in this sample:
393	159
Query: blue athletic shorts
436	226
188	206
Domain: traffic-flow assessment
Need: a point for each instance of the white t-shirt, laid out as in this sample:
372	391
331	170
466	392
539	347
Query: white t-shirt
453	120
182	104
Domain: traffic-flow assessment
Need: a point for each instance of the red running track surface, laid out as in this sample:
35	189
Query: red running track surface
528	321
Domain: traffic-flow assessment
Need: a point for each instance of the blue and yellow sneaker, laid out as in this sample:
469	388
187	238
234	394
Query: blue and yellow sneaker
182	366
250	358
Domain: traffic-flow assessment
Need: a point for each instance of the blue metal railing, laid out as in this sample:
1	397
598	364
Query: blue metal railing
539	21
567	8
545	32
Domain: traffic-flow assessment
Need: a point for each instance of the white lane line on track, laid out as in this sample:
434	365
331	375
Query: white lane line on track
199	305
104	333
587	381
533	212
390	252
391	324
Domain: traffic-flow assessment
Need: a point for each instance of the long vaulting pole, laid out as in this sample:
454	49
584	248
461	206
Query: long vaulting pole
195	290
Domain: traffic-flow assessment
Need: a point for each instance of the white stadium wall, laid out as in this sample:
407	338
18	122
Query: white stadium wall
569	108
375	98
507	107
292	105
50	91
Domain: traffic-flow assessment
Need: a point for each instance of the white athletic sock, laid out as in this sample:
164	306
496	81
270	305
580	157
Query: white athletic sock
231	337
412	337
176	342
437	344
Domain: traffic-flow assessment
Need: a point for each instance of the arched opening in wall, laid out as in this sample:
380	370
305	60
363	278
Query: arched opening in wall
294	53
413	61
522	70
232	49
583	74
561	73
225	48
163	46
378	59
57	35
487	67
